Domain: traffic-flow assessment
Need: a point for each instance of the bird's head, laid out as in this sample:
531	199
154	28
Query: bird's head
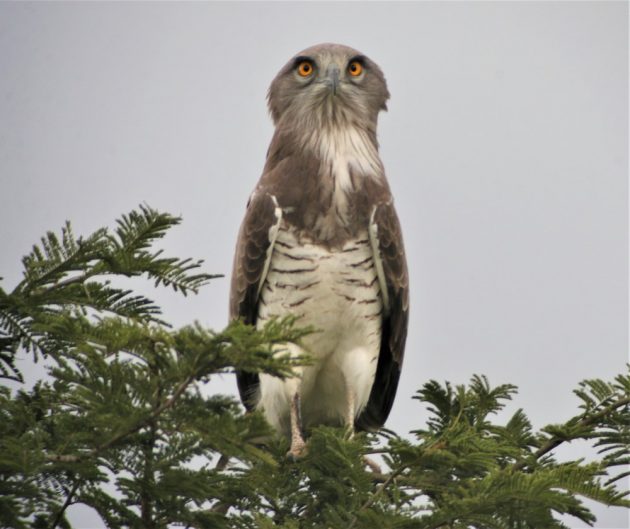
328	85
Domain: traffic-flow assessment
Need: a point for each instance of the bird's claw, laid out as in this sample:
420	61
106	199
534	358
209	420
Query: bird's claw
297	450
372	465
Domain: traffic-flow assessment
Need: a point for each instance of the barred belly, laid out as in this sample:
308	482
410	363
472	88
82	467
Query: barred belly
337	292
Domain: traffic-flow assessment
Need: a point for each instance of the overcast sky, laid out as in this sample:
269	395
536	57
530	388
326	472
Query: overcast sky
506	147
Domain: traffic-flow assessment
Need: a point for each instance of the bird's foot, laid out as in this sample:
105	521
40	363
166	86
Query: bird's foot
298	449
348	434
372	465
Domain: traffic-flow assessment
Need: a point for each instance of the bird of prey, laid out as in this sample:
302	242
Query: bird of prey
321	240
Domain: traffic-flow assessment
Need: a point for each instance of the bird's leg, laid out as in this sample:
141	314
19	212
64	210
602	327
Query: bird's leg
298	446
350	416
350	410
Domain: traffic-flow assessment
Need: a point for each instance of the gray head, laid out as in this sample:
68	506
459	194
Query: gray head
328	85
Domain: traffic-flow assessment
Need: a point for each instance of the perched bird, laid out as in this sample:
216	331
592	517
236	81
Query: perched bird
321	240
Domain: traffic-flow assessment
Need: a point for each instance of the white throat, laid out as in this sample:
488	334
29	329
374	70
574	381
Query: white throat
348	158
345	149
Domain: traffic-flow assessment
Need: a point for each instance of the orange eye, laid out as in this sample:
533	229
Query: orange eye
305	68
355	68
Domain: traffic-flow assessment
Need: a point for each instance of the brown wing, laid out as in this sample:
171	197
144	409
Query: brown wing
251	261
392	267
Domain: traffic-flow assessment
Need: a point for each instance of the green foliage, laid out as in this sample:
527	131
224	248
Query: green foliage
65	276
121	423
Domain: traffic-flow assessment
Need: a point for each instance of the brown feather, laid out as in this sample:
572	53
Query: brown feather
249	262
395	321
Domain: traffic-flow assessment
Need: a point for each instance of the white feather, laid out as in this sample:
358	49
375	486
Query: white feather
273	234
378	260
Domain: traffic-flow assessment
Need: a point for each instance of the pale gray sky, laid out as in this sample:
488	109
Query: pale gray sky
506	146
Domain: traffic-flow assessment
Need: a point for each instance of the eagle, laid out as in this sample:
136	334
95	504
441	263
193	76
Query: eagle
321	240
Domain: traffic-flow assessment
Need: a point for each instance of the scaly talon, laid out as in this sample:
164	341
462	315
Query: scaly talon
298	446
373	465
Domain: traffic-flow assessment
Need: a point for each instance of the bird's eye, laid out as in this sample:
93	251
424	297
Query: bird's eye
355	68
305	68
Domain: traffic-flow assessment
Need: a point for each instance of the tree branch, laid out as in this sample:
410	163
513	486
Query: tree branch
69	458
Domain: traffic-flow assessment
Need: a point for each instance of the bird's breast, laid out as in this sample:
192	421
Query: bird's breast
335	290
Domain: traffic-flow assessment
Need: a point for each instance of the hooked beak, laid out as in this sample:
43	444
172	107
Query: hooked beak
332	78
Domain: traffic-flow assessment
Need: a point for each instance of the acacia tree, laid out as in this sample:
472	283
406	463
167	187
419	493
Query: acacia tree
119	423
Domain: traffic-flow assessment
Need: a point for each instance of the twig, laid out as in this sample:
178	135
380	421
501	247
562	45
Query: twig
65	505
71	280
222	463
64	458
556	441
370	501
220	506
